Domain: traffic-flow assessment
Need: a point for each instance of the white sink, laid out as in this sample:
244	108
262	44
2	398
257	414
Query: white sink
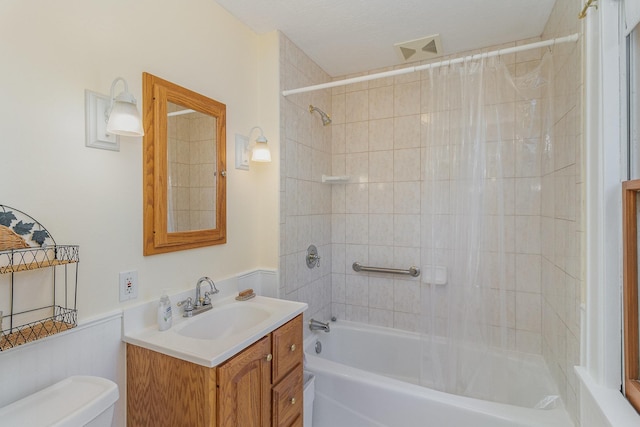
222	322
210	338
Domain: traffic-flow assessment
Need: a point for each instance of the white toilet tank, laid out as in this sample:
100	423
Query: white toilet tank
73	402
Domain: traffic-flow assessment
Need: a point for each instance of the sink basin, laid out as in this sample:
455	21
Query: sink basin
224	321
211	337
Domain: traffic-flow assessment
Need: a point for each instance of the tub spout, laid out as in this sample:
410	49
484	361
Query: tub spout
316	325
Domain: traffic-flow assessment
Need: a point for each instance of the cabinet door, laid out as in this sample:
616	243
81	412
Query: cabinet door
244	388
287	348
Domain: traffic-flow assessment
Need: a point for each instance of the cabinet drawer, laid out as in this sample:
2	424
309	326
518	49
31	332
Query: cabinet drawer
287	348
287	399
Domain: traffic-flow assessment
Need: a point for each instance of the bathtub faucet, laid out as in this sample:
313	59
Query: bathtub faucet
316	325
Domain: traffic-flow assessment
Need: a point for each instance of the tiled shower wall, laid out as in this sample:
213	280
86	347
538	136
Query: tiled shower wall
380	133
305	210
562	224
377	138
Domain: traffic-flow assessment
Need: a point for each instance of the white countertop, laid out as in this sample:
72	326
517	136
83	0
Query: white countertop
212	352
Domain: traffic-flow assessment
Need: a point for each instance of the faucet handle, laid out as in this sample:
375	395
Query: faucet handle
188	307
207	299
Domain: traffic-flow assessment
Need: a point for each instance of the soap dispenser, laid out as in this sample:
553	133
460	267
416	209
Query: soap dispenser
164	312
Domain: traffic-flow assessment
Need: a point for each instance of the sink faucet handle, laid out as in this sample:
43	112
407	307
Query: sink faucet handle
188	306
207	299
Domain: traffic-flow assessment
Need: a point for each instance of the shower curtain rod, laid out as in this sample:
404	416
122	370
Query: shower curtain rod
506	51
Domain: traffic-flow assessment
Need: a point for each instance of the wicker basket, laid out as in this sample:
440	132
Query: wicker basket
10	240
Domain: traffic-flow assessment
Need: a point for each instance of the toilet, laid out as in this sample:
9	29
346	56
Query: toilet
73	402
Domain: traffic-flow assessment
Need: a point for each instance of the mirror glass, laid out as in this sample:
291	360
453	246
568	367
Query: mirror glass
191	160
184	168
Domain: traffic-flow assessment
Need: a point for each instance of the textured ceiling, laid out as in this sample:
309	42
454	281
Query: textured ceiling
350	36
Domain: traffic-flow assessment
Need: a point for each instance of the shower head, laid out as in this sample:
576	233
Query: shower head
325	117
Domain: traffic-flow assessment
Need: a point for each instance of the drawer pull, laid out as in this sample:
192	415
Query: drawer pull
269	357
293	400
293	347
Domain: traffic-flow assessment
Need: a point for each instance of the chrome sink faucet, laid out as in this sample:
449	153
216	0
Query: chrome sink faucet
201	304
202	301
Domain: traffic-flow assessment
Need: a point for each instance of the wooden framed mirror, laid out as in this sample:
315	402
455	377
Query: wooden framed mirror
184	167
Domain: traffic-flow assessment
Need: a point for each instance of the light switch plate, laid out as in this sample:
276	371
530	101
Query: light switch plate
242	152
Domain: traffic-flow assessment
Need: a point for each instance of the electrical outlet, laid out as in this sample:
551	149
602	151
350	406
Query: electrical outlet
128	285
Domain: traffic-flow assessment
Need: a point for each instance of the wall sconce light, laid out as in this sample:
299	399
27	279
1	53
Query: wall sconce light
259	152
106	117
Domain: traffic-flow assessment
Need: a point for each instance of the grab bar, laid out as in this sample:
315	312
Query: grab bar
412	271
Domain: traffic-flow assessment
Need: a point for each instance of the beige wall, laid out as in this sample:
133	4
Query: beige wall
52	52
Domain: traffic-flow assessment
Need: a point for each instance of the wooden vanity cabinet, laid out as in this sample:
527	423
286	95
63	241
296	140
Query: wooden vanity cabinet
259	387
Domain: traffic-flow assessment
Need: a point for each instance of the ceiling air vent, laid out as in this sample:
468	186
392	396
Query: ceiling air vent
420	49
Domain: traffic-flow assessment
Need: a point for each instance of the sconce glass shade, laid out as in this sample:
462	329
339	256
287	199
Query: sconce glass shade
124	118
260	151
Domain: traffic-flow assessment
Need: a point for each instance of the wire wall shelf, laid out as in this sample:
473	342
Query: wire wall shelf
42	304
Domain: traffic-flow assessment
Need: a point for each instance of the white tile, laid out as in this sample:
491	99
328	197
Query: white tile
338	231
357	106
338	199
406	230
380	254
357	198
406	296
527	238
356	253
339	310
381	166
338	109
381	293
381	134
381	229
357	137
528	312
356	313
529	342
407	98
338	288
405	257
528	193
406	197
357	167
338	138
357	228
339	164
338	254
381	103
381	197
406	321
357	290
406	166
528	273
381	317
406	132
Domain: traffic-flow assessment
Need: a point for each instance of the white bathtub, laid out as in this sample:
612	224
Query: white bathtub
366	376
